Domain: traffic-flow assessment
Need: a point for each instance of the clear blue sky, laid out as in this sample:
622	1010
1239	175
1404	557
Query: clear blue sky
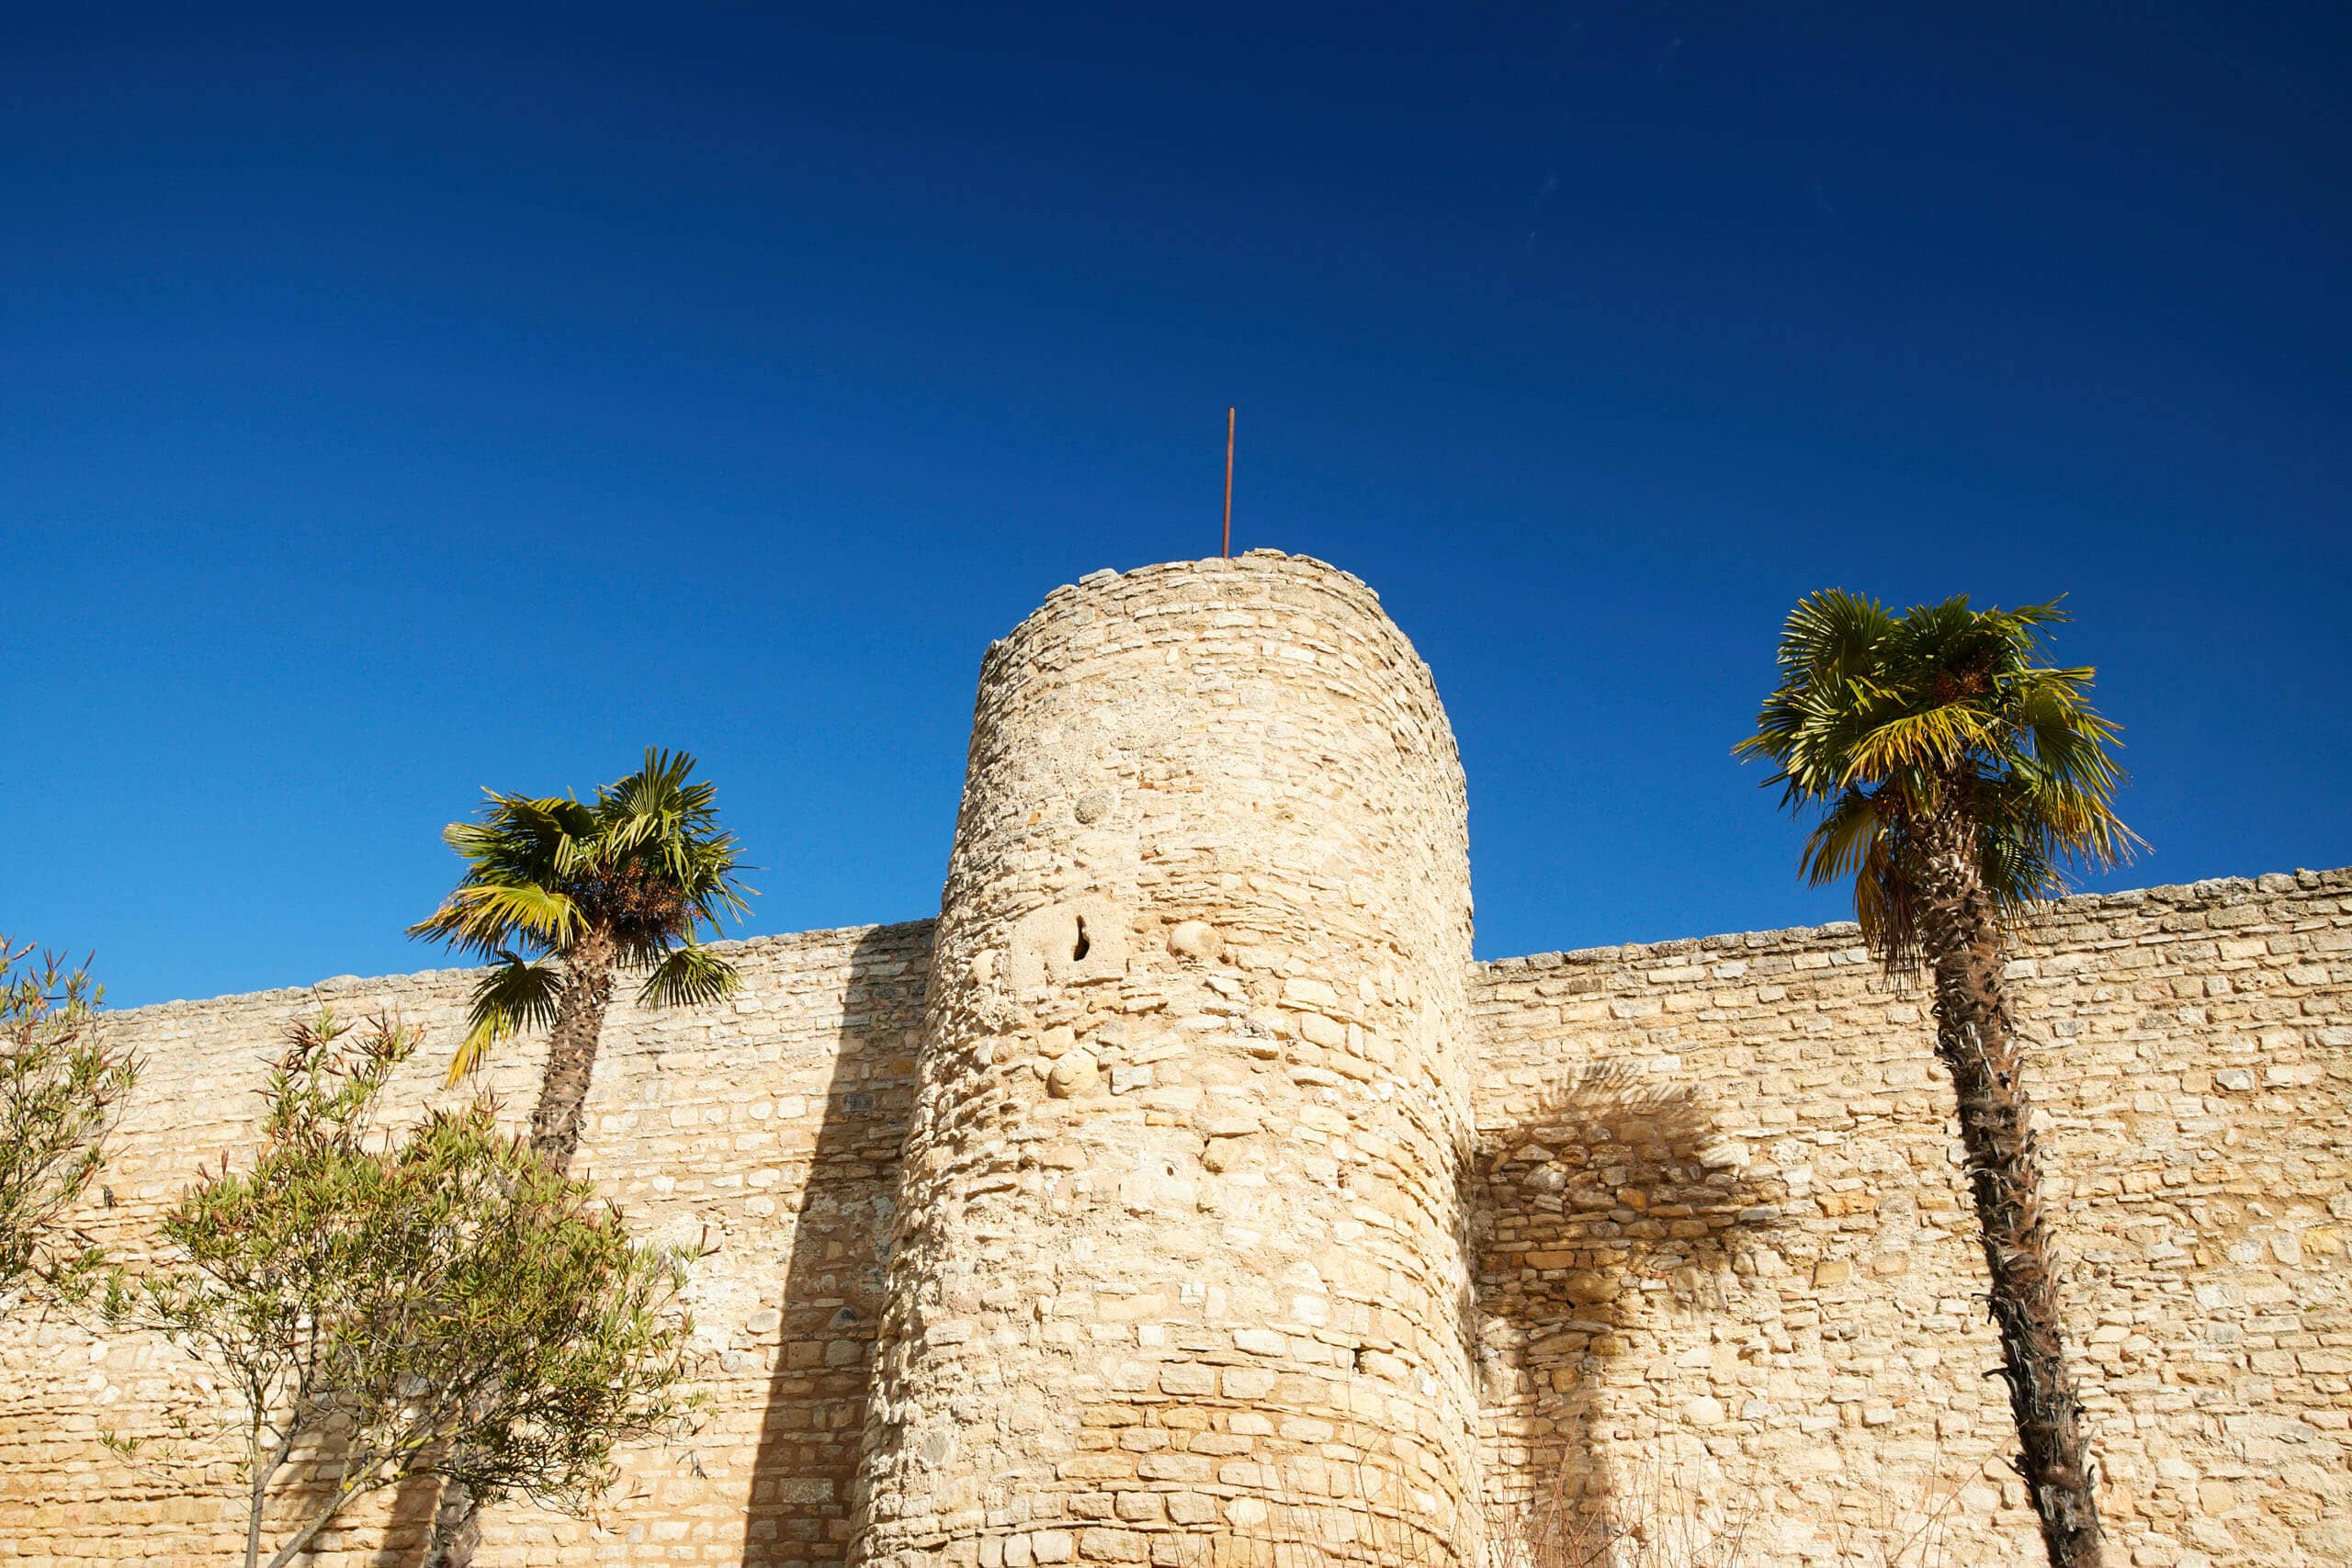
394	407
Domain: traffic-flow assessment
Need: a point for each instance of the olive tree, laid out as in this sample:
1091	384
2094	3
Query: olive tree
61	1086
441	1303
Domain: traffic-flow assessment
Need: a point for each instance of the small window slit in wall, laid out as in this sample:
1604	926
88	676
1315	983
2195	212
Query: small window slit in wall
1078	949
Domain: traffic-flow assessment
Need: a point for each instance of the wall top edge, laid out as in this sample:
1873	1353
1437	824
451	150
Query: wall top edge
1247	560
342	985
1173	572
2211	893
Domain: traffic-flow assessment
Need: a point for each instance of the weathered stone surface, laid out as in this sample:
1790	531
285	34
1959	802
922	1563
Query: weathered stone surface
1289	837
1803	1325
1196	938
1719	1255
766	1129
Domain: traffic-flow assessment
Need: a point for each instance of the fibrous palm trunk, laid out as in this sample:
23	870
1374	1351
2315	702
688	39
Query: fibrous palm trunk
571	1047
554	1135
456	1530
1977	1041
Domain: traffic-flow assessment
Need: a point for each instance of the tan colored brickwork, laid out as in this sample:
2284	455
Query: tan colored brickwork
1180	1227
1704	1191
768	1129
1724	1231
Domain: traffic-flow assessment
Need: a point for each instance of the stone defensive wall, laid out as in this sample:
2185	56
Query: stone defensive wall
1186	1195
1725	1247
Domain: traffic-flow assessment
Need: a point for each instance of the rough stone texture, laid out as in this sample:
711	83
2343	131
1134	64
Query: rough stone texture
1724	1230
1180	1229
1721	1250
767	1128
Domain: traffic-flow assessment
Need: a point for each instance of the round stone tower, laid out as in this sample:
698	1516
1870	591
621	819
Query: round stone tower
1179	1265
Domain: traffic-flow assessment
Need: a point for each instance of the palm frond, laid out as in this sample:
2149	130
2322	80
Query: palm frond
1881	725
517	836
1886	904
1833	635
646	863
654	803
511	852
691	975
484	917
1841	842
516	995
1934	739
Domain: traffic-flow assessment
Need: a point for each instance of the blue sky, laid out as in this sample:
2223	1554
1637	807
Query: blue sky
394	406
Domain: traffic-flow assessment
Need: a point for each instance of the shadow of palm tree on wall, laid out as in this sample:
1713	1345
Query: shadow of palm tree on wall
1610	1199
1588	1204
405	1523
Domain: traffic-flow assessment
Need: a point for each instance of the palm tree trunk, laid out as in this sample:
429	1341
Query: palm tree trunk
571	1047
555	1134
1976	1040
456	1528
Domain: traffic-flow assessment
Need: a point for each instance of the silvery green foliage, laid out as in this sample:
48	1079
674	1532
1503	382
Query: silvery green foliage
438	1303
62	1087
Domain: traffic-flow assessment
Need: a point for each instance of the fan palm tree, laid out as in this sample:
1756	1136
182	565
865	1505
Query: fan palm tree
1954	777
559	894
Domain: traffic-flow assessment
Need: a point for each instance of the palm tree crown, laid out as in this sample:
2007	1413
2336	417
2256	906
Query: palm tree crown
1906	731
642	868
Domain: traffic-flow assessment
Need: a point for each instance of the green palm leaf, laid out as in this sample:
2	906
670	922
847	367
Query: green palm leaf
645	868
512	996
1880	723
689	976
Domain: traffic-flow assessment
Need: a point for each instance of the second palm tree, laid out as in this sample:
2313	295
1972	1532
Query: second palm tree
1952	775
561	895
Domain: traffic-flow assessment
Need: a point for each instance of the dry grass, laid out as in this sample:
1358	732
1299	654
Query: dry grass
1650	1520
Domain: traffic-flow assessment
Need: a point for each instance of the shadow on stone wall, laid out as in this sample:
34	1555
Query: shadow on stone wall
1606	1197
411	1515
805	1471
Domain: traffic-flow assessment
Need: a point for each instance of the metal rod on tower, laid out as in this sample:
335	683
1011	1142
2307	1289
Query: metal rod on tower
1228	481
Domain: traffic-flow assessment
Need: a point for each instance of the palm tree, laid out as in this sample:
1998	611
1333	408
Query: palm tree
560	894
1954	777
